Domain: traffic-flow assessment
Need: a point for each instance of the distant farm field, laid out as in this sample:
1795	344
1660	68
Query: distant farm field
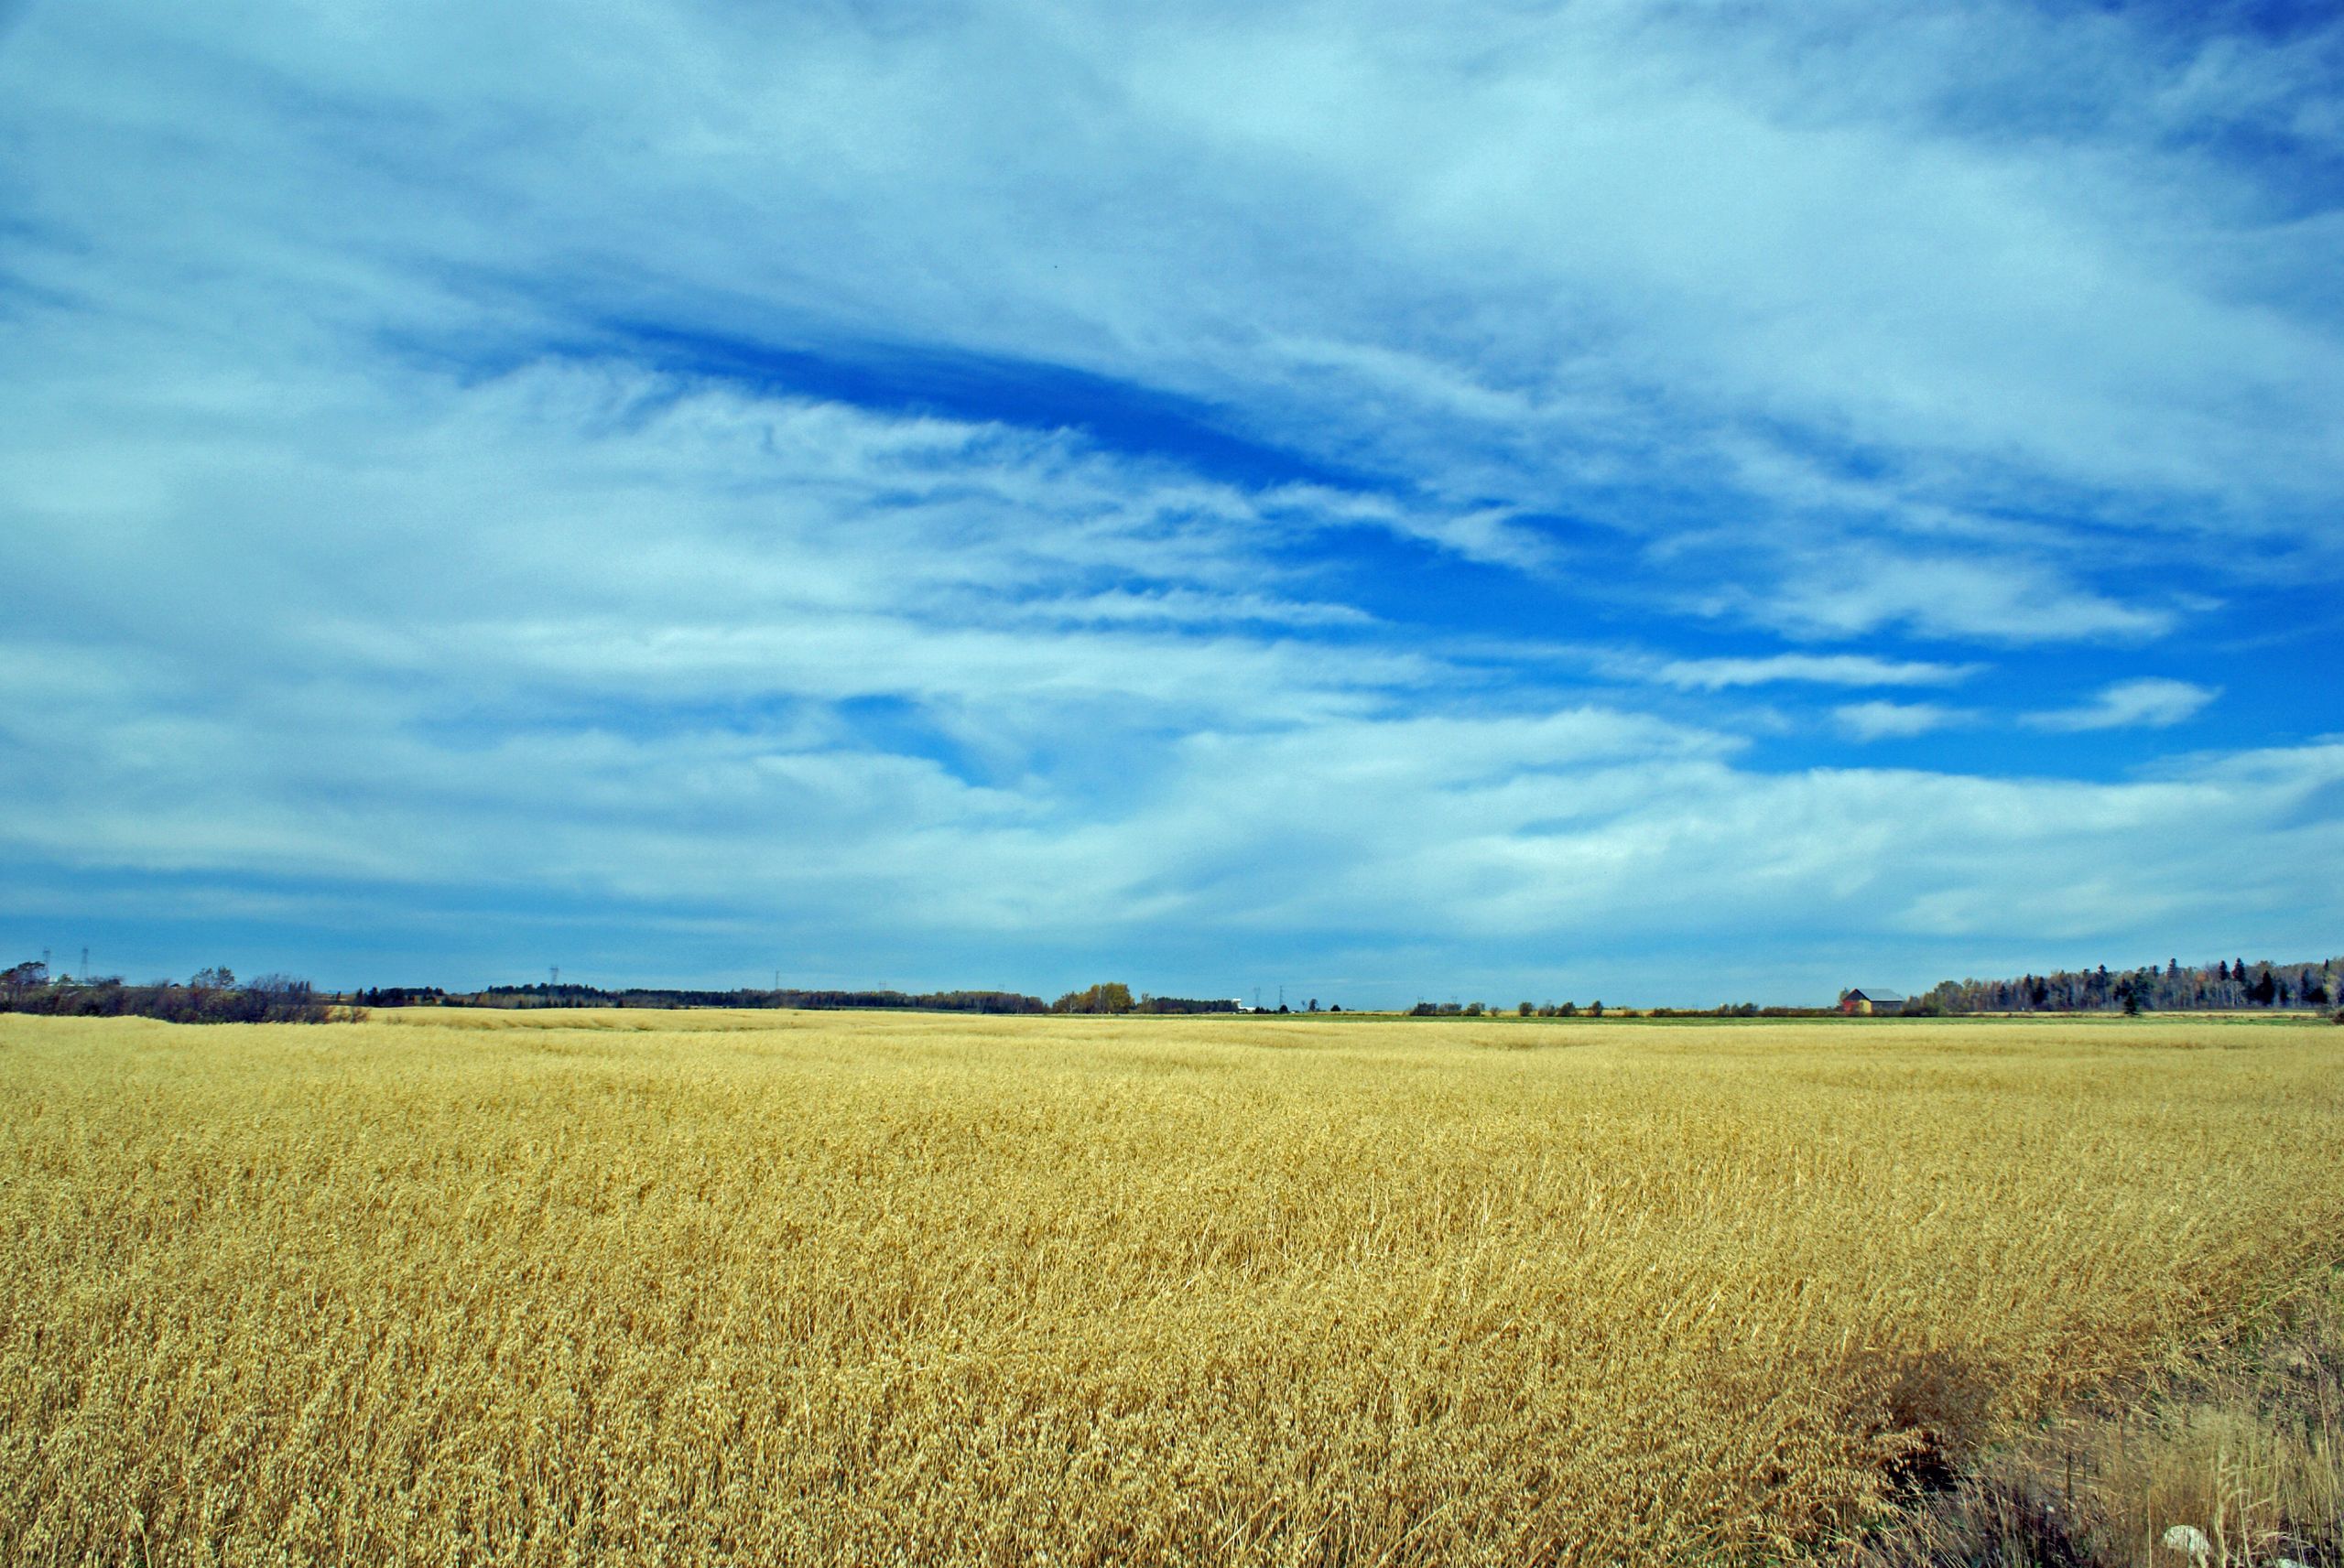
567	1287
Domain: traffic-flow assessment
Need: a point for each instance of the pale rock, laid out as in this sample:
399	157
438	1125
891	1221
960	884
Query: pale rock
2188	1538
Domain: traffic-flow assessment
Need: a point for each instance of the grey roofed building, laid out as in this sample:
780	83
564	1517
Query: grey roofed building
1870	1000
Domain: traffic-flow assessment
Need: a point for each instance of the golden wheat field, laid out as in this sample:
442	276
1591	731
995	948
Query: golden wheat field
582	1287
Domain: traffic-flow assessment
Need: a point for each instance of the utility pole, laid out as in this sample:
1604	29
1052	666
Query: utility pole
85	964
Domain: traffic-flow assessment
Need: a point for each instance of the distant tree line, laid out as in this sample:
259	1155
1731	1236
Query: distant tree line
1521	1009
1114	996
1598	1010
1741	1009
209	996
568	995
1178	1005
399	996
2226	985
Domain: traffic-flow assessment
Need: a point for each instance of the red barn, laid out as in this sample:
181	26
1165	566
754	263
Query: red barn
1870	1002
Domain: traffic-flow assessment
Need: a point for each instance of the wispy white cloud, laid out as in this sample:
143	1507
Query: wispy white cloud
1179	607
1617	240
1863	589
1821	669
1571	831
2151	702
654	541
1898	720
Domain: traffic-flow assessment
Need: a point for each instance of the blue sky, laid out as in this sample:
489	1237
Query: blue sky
1672	503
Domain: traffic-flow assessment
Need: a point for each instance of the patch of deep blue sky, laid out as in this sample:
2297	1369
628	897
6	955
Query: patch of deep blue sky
2187	21
2259	644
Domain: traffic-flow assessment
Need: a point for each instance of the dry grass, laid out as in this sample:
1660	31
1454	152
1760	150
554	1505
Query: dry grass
2242	1443
570	1288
